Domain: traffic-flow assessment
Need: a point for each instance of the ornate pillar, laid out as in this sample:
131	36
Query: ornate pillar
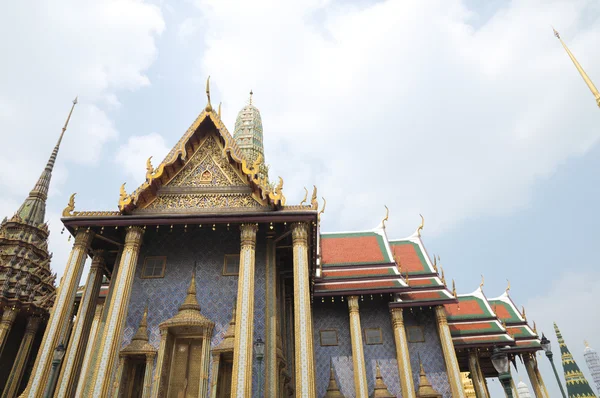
8	319
241	383
402	354
164	334
303	331
449	354
530	365
271	368
16	373
540	380
358	355
60	315
214	374
148	375
71	369
478	383
121	368
87	358
117	312
290	337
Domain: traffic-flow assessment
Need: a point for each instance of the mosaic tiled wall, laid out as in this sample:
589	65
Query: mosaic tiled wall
430	351
374	313
330	315
215	292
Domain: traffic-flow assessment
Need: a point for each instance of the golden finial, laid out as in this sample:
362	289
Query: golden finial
123	193
435	268
482	282
534	327
149	168
584	75
454	288
523	312
322	210
313	201
208	105
251	93
443	276
406	277
586	344
420	229
387	214
68	211
220	103
508	286
305	196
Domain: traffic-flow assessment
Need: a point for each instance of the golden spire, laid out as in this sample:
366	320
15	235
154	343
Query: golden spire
333	390
380	390
425	388
208	106
142	332
250	100
584	75
586	344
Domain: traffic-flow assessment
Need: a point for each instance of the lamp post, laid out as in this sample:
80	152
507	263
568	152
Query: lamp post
259	353
501	364
545	343
57	357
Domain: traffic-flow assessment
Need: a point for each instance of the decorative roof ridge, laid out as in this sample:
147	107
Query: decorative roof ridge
179	152
505	298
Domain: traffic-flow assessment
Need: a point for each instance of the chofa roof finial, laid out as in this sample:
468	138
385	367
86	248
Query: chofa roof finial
387	216
208	105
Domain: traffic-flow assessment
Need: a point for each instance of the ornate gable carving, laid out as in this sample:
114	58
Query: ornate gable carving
206	183
207	167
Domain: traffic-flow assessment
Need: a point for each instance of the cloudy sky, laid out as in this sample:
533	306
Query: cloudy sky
472	115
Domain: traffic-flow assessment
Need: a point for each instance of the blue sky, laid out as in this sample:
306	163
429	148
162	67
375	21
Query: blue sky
471	115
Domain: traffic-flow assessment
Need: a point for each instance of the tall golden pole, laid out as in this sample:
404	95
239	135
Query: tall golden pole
584	75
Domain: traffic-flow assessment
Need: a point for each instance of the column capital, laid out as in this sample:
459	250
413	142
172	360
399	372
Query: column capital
440	315
83	238
98	259
353	303
33	324
397	317
300	233
134	236
248	234
9	314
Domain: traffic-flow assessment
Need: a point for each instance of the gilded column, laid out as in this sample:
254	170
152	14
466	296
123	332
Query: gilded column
117	312
60	315
16	373
271	368
214	374
87	358
71	369
241	383
541	380
358	355
402	354
530	365
478	383
164	334
8	319
449	354
303	331
148	376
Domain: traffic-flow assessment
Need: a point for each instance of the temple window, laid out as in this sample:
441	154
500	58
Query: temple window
415	334
231	265
154	267
328	337
373	336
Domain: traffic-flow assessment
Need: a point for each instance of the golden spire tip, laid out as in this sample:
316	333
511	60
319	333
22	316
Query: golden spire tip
555	32
251	93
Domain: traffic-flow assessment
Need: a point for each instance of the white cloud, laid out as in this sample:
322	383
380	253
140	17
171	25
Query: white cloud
405	103
187	29
133	155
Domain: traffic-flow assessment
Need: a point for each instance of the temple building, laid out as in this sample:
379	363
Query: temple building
27	290
577	384
593	363
207	283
